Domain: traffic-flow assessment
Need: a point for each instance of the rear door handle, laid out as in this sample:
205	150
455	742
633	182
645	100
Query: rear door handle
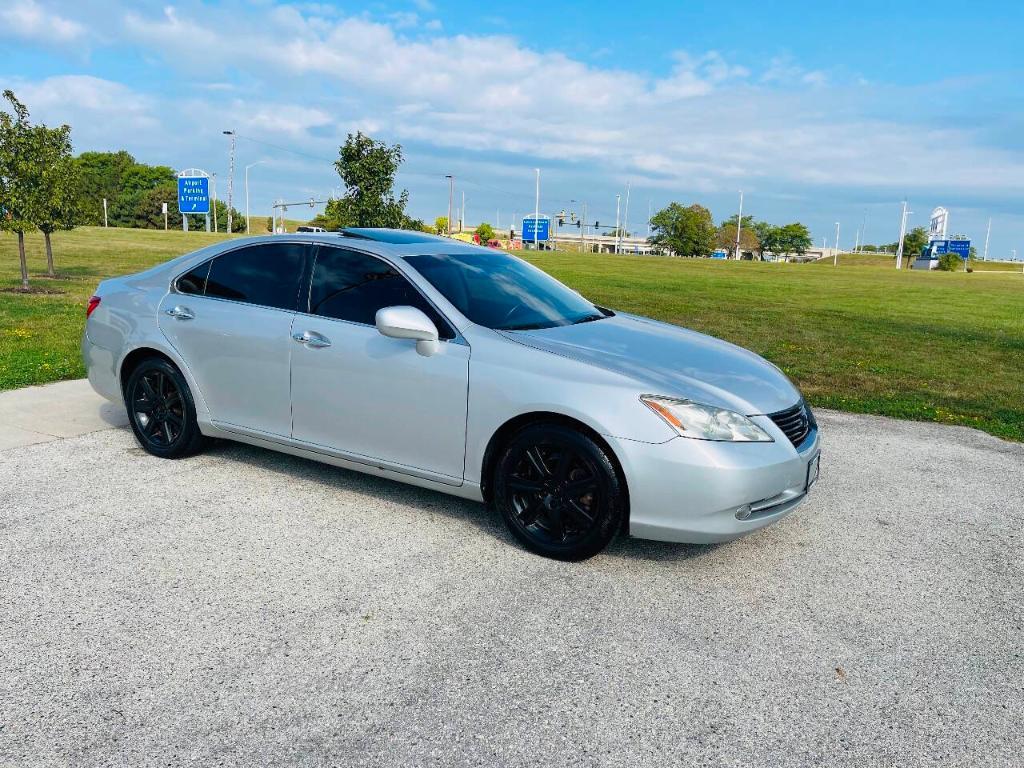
182	313
312	339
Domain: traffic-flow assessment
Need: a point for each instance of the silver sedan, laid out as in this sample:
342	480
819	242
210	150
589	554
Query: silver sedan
461	369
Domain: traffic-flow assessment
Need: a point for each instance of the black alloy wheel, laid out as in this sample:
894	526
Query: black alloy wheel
559	492
161	410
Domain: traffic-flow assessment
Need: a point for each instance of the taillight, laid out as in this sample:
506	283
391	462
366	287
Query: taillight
94	301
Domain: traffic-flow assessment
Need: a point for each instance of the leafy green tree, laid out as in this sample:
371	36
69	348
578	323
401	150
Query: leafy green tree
793	238
485	232
18	172
121	180
685	230
270	223
767	238
57	204
914	242
367	168
441	225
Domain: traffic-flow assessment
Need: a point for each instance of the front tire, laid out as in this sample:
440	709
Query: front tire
559	492
161	410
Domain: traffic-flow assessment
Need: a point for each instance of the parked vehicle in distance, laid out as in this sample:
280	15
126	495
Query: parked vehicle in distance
309	228
458	368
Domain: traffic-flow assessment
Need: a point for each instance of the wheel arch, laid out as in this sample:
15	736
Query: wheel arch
136	356
505	432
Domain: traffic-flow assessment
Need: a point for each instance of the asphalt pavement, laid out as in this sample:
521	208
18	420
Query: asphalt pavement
248	608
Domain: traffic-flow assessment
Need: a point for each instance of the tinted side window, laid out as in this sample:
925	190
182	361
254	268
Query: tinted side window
195	281
267	275
352	286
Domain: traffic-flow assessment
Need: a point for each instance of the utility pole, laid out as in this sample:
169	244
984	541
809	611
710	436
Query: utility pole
213	183
104	212
451	192
856	242
250	165
835	251
583	228
618	232
231	176
903	233
988	232
536	212
864	228
462	212
739	227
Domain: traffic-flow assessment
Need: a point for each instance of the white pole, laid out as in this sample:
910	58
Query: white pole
104	212
462	212
213	182
864	228
625	213
618	232
903	232
536	212
739	226
835	251
987	233
856	242
451	192
583	228
231	177
648	218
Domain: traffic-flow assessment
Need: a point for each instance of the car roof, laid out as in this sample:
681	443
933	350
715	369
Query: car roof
389	242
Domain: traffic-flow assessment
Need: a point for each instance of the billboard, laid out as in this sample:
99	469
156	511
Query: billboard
937	224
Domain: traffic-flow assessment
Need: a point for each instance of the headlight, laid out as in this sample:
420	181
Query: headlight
705	422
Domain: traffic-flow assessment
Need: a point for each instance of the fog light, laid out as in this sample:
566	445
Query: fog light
743	512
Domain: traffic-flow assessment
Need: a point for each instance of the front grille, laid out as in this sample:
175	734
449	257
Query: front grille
795	422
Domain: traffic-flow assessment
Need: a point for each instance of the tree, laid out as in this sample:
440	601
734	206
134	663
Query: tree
950	262
793	238
441	225
57	205
914	242
725	237
686	231
17	177
367	168
485	232
767	238
120	180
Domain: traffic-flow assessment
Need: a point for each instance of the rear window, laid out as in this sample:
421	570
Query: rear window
266	274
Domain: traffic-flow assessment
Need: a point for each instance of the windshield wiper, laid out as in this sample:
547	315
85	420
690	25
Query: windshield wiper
588	319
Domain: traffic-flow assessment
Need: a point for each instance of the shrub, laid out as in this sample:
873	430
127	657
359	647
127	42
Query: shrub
950	262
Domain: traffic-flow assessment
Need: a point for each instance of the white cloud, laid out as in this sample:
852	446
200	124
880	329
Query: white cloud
27	19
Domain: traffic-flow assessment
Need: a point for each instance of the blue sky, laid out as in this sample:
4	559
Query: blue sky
820	112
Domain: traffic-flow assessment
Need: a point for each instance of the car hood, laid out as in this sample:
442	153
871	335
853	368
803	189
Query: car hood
668	360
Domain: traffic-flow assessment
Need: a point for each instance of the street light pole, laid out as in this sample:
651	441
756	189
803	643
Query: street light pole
231	176
835	251
618	235
903	233
451	192
988	232
536	213
250	165
739	227
213	183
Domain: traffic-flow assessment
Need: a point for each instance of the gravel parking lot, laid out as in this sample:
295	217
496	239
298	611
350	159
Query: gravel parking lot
248	608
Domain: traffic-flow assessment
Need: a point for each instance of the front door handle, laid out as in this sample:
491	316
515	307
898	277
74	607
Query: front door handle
312	339
182	313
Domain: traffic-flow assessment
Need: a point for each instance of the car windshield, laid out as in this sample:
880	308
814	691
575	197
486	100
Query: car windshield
499	291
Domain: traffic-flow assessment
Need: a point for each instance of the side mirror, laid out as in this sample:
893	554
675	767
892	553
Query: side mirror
409	323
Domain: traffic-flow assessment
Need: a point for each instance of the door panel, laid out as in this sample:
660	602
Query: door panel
239	355
376	397
230	321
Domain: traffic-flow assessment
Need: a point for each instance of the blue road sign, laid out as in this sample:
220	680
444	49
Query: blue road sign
536	229
961	248
193	194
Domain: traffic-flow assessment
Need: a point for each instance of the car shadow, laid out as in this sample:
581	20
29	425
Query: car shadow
392	491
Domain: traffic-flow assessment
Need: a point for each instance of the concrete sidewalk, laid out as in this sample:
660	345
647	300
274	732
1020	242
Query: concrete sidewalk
54	411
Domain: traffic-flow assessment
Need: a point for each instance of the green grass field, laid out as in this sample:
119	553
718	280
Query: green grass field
858	337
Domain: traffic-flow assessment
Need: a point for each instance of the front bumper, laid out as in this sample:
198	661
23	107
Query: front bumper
690	490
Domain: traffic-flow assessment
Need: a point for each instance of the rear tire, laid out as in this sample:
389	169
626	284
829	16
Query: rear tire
161	410
559	492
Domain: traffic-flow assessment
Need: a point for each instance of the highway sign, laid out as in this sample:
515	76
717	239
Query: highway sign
536	229
194	194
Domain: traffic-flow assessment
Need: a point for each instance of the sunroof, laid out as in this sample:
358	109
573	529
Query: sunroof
396	236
